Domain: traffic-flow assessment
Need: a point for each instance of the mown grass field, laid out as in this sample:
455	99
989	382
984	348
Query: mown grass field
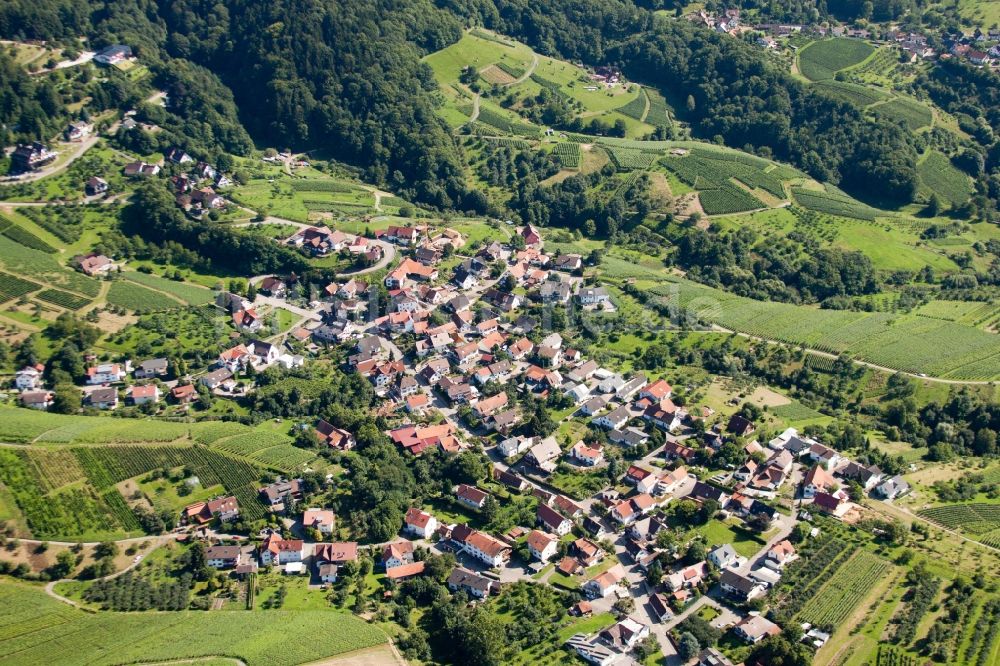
35	629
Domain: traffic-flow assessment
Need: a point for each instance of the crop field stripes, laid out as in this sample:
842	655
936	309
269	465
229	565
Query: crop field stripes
638	108
852	581
12	287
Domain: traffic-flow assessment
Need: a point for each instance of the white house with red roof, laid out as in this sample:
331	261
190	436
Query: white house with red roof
542	545
140	395
419	523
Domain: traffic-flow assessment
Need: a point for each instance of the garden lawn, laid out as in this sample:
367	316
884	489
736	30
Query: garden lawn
717	533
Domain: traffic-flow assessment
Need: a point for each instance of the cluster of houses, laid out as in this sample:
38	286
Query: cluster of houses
102	386
980	48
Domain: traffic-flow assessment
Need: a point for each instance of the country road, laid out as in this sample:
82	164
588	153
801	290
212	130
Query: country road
57	166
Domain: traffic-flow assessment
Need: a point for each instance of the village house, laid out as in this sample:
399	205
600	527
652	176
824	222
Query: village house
541	545
215	379
492	552
277	551
278	493
755	628
41	400
593	296
93	264
473	584
153	368
420	523
337	553
102	398
625	634
686	578
740	587
226	509
470	496
334	437
604	584
613	420
724	556
780	554
397	554
552	520
31	156
114	54
817	480
140	395
319	519
892	488
95	185
222	557
586	455
544	454
29	377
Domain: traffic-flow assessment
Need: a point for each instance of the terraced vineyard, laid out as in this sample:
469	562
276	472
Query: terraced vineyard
909	111
12	287
898	341
979	521
41	267
845	589
36	629
821	60
189	293
63	299
629	159
568	154
270	448
135	297
834	203
852	93
940	175
636	108
659	114
708	170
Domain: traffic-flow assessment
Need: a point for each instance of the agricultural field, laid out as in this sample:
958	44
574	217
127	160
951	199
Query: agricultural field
189	293
568	155
63	299
980	521
37	629
12	287
910	112
133	296
941	177
852	93
303	199
42	267
522	73
845	589
834	202
269	448
706	170
821	60
19	234
897	341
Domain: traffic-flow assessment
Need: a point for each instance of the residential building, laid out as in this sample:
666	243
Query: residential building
552	520
892	488
419	523
755	628
102	398
604	584
740	587
542	545
319	519
142	394
473	584
277	551
724	556
153	368
471	496
223	557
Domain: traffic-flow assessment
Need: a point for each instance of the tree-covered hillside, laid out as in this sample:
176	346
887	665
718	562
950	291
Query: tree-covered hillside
297	79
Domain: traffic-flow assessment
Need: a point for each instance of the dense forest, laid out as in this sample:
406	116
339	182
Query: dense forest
368	100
